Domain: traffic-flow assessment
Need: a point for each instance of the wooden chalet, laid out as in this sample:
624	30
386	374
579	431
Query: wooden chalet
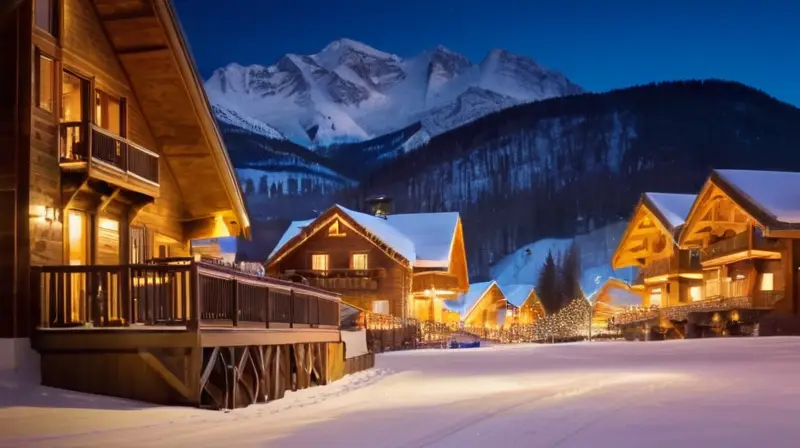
483	305
117	165
617	298
746	225
402	265
527	307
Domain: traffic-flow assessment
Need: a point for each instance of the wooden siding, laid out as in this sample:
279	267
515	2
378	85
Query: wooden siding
392	286
87	50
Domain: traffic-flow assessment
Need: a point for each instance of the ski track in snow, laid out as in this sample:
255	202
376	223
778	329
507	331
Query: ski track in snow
718	392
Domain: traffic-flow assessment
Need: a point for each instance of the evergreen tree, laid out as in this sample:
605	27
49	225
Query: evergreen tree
249	187
263	186
569	272
547	286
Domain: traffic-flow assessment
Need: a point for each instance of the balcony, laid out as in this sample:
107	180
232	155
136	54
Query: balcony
442	282
341	279
741	246
108	157
685	263
192	295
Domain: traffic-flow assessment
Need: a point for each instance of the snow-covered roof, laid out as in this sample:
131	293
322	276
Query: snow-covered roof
776	193
465	302
294	229
424	239
517	294
432	235
674	207
618	294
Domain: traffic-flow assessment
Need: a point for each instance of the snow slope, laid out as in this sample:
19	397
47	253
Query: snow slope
599	395
350	92
596	249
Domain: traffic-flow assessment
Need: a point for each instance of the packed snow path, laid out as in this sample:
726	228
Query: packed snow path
725	392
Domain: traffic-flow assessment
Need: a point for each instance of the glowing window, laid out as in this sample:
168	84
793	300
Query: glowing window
767	280
359	262
319	262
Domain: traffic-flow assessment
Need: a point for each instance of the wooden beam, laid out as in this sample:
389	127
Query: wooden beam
166	374
107	200
141	50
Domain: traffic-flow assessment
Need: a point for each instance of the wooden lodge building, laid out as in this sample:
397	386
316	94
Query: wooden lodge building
115	164
402	265
483	305
527	308
744	228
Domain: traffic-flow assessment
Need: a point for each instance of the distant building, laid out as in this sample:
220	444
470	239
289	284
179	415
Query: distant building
399	264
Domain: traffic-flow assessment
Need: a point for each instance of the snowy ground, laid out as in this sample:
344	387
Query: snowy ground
725	392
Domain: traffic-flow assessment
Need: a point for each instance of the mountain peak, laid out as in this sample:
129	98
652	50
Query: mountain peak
350	91
345	44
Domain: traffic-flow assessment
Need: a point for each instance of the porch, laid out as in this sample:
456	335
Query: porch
179	331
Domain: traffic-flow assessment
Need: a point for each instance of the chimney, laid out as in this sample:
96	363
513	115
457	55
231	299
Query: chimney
380	205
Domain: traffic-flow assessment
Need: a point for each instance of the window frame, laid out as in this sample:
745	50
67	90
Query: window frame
54	17
323	256
123	128
353	261
40	55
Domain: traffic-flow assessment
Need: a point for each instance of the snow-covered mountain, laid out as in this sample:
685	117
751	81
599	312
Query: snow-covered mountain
350	92
239	123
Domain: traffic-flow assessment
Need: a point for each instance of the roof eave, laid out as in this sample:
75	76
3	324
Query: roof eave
197	93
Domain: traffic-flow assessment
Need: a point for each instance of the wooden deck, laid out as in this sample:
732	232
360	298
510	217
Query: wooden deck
184	332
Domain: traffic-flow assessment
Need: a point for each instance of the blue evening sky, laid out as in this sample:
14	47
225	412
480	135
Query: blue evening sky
599	44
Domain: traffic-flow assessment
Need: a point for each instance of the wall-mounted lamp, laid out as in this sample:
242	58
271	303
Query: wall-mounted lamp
51	214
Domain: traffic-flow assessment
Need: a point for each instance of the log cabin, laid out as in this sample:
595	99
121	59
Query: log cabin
483	305
117	165
746	225
403	265
668	275
528	307
614	299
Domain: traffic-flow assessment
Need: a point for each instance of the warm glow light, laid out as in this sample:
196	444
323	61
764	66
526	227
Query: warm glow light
108	224
220	229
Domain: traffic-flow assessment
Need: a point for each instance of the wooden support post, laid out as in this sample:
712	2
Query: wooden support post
193	323
235	302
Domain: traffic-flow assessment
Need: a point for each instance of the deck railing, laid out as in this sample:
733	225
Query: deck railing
341	279
107	148
193	294
739	243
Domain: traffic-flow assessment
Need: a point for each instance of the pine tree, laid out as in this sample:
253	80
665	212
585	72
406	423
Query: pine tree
547	286
249	187
263	186
569	271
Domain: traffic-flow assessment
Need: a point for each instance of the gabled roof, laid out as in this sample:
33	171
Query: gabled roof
467	301
422	239
770	198
147	39
517	294
773	193
615	293
670	208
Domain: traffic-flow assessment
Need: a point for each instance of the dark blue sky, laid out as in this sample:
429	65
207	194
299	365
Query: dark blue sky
599	44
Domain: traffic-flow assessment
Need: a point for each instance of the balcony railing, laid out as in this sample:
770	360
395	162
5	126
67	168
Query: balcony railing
739	243
108	149
685	262
759	300
193	294
341	279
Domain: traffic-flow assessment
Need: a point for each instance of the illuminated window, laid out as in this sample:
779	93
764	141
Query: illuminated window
767	280
108	112
655	297
45	72
696	293
333	230
359	262
72	96
319	262
380	306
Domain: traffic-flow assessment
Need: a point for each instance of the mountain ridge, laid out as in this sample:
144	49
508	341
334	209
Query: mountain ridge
350	92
